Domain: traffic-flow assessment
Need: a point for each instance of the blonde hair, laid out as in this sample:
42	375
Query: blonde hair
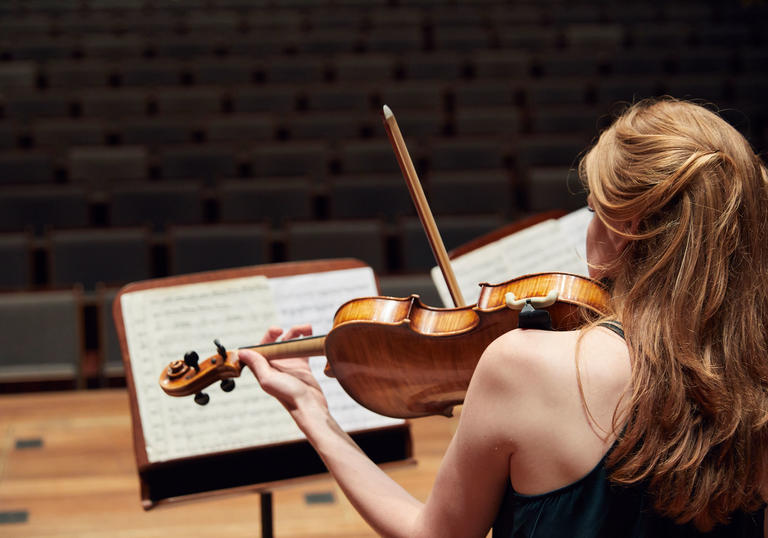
690	287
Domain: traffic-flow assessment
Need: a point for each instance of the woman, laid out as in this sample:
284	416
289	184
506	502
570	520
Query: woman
659	430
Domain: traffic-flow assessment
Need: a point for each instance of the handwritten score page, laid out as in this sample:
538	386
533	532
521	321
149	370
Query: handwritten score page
161	324
549	246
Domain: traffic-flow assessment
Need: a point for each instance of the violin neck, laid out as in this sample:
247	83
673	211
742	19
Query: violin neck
301	347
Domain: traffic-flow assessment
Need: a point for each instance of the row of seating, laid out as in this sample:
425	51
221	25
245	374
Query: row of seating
275	200
365	98
314	68
237	15
409	39
91	256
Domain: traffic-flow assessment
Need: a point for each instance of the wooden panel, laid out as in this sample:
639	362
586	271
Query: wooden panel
82	480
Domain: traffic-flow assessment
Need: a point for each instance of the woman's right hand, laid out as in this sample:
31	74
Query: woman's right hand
290	380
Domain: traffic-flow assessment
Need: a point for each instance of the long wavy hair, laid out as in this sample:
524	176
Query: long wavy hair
691	289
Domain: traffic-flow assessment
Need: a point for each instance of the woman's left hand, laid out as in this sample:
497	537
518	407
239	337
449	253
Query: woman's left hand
289	380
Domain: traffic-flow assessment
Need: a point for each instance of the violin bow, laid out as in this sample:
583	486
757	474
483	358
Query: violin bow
422	207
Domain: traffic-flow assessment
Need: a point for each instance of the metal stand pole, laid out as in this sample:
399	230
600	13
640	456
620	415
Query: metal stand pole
266	514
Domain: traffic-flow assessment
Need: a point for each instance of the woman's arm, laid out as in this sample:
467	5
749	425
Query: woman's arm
471	479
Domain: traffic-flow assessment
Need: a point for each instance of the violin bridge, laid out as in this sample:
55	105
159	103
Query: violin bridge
536	302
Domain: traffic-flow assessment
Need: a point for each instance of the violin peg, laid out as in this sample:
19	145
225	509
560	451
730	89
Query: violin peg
227	385
190	359
220	349
201	398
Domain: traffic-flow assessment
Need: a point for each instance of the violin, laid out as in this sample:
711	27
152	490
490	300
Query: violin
401	358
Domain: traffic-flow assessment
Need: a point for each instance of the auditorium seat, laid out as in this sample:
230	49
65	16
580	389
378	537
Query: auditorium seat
219	71
153	132
207	162
193	101
156	204
418	95
370	68
109	256
467	153
496	121
41	207
111	46
527	38
25	167
460	39
58	135
398	40
239	130
114	103
295	159
329	97
499	64
363	239
371	157
433	66
591	35
455	230
16	253
77	74
570	90
154	72
14	75
463	192
27	105
482	93
110	354
265	199
303	69
382	196
548	188
566	119
221	246
331	126
272	98
100	165
41	337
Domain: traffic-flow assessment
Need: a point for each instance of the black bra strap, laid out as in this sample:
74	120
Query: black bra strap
614	326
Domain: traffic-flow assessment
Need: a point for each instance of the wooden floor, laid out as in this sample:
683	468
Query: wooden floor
67	469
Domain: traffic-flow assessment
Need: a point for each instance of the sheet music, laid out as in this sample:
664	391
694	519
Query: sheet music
549	246
309	299
161	324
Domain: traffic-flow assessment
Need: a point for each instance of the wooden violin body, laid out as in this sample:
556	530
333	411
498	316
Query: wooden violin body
401	358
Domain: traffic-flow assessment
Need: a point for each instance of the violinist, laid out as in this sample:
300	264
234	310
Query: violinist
650	422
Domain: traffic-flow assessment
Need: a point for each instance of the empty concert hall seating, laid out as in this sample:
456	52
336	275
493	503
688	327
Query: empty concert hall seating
110	354
16	253
27	356
201	162
265	199
100	164
109	256
378	195
471	192
156	204
25	167
363	239
455	230
220	246
553	187
38	208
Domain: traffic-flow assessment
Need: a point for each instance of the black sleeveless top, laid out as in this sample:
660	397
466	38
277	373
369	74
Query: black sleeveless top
594	507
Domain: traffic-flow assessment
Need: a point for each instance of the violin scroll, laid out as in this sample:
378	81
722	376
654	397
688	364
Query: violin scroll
189	376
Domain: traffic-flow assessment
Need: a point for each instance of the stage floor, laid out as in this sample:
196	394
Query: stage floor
67	469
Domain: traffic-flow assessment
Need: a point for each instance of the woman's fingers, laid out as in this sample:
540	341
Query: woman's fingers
272	334
297	331
255	361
